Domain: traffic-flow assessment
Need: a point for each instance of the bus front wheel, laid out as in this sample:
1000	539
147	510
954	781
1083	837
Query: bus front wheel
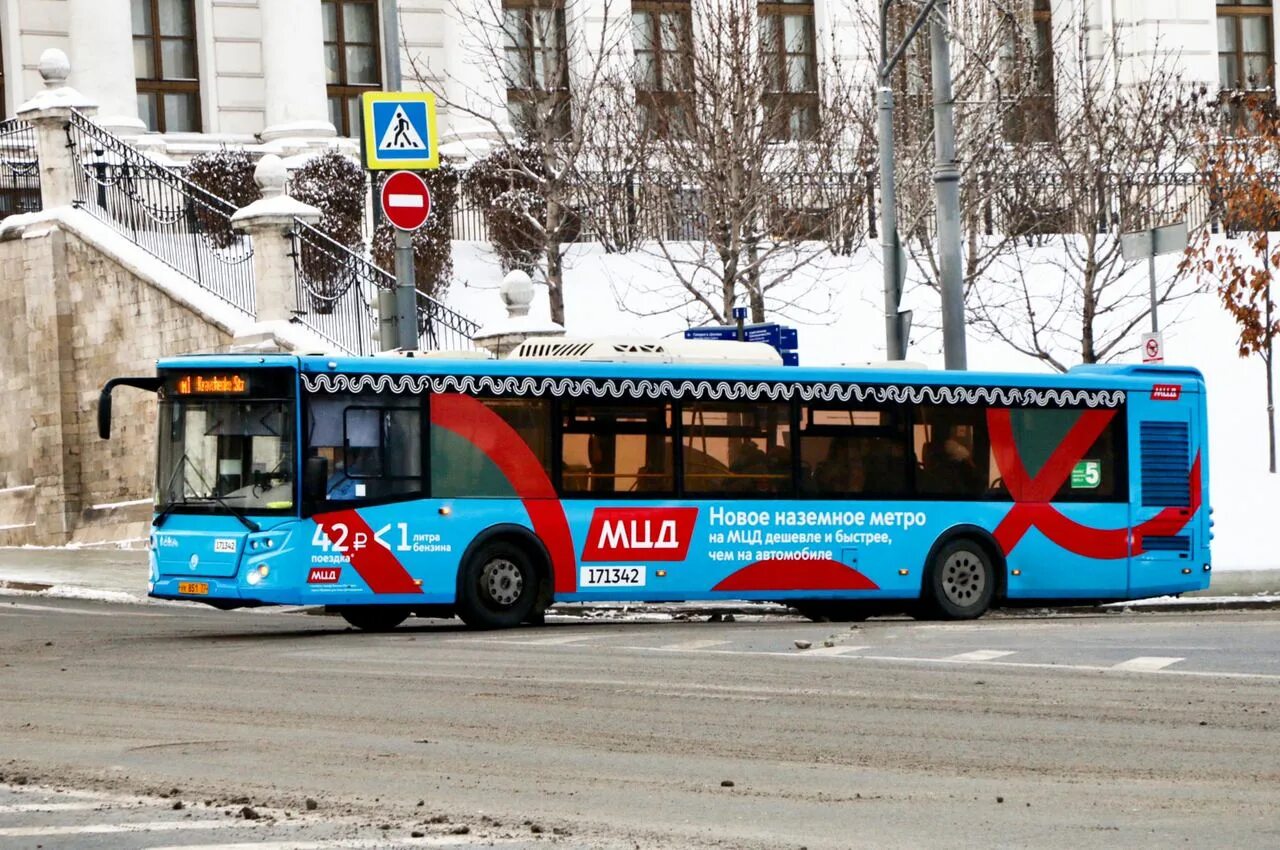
498	588
961	582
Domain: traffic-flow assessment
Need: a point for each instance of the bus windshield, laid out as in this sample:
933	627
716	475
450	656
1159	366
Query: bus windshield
237	454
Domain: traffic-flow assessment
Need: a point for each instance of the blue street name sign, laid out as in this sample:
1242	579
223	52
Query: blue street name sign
784	339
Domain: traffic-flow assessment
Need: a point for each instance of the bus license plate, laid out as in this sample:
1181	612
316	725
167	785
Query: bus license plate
611	577
195	588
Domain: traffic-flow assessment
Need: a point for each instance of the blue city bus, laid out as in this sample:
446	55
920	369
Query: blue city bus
390	486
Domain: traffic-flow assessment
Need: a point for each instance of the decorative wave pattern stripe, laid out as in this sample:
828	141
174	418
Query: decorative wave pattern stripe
618	388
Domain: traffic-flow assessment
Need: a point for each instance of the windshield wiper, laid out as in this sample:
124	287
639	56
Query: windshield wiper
248	523
212	496
168	488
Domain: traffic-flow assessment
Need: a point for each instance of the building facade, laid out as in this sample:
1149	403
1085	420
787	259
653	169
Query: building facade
187	74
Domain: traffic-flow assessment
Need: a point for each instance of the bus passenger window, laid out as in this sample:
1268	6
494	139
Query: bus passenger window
460	464
853	453
733	447
954	451
616	448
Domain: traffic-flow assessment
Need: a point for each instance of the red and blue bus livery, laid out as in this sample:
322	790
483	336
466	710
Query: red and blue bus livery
389	486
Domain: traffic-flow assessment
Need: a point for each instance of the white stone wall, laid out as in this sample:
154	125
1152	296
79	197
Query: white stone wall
236	78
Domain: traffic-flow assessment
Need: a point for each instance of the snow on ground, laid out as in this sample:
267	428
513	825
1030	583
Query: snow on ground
838	312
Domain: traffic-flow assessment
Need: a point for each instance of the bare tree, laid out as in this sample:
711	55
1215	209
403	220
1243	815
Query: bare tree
753	152
1241	172
549	63
1121	158
1001	70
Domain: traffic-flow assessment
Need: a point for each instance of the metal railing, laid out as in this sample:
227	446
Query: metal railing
19	168
842	208
336	289
168	216
442	329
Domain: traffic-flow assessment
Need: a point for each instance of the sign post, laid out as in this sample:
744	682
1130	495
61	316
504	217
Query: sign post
400	133
1147	245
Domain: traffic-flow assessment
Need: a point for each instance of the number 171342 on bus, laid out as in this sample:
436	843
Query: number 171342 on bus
384	487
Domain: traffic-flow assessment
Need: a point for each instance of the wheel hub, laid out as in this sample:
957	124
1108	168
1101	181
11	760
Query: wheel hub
502	581
963	578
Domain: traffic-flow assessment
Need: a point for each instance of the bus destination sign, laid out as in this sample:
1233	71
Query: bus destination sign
228	384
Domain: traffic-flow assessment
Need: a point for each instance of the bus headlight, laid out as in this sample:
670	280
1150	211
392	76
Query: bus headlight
257	574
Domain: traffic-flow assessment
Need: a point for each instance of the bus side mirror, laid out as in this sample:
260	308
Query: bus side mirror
315	477
104	414
151	385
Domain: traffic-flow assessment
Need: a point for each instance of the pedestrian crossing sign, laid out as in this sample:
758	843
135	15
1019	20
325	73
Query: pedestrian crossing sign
400	131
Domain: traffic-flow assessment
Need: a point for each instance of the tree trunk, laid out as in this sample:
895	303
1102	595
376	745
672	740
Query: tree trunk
755	289
555	282
1271	399
555	263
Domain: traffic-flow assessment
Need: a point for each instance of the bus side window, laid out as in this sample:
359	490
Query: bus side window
954	451
853	452
617	448
736	447
373	444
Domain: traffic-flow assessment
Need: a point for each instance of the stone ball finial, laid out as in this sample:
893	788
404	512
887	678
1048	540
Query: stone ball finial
55	67
517	292
270	175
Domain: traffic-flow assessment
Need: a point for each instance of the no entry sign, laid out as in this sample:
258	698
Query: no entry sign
406	201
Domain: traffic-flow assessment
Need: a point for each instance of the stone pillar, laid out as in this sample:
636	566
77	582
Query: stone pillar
293	67
49	111
269	222
102	42
500	337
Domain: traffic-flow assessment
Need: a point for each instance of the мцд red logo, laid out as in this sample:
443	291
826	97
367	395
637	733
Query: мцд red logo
640	534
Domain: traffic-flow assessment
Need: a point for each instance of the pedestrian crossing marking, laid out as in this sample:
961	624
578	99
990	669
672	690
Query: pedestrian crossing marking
694	644
980	655
833	650
400	134
1146	663
109	828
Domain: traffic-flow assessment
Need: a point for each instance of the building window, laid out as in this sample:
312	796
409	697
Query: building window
164	58
662	36
350	59
1028	59
537	65
788	51
1245	53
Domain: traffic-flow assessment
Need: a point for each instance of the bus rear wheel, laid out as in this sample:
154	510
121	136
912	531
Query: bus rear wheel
961	582
498	587
374	618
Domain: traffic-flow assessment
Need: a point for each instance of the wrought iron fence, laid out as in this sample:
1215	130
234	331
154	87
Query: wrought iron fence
334	288
622	209
442	329
168	216
19	168
337	288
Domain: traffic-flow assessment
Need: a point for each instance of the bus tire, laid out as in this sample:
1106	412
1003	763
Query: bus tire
961	581
374	618
497	587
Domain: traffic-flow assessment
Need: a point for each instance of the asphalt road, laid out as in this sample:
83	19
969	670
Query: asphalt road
1133	730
